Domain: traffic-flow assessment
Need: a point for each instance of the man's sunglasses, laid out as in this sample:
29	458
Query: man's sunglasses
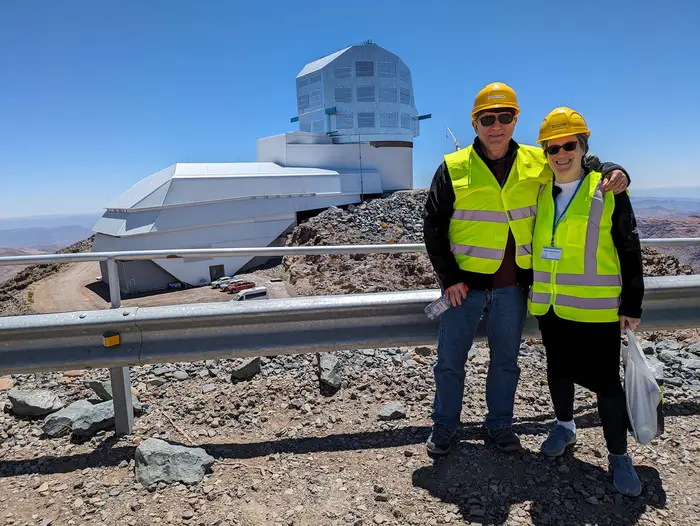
490	120
567	147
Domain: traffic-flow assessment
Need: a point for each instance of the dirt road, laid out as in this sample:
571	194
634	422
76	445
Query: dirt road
75	289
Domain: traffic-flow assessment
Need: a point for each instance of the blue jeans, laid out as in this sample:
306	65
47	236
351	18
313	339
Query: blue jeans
504	311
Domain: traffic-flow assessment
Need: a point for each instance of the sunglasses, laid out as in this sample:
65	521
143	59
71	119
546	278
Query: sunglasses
567	147
490	120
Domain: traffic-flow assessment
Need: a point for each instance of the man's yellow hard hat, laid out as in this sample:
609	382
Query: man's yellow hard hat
561	122
495	95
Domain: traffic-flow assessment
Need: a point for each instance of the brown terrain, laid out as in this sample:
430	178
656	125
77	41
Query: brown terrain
289	450
7	273
674	227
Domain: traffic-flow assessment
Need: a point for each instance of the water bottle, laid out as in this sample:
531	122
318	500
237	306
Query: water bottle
437	307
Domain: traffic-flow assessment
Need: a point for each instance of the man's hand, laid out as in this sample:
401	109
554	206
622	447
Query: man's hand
456	293
625	322
617	182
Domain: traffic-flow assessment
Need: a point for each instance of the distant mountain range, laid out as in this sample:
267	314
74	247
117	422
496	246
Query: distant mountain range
665	206
47	233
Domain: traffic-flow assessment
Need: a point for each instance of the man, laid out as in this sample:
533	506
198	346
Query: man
478	224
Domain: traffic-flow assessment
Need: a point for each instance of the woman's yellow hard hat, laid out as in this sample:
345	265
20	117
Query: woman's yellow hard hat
495	95
561	122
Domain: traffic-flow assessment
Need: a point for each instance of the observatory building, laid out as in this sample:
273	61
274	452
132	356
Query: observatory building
357	121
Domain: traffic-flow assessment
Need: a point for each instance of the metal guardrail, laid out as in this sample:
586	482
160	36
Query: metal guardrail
317	250
184	333
54	342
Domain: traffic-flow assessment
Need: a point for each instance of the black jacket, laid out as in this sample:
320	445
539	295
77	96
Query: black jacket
438	210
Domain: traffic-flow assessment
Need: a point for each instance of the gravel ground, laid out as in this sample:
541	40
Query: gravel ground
290	451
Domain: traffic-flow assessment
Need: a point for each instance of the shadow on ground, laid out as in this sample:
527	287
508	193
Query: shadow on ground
109	452
484	484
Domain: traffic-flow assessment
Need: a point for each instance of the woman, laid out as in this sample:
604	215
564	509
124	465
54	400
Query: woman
587	287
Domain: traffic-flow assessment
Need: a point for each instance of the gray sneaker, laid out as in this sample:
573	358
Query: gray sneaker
625	478
558	440
505	439
441	440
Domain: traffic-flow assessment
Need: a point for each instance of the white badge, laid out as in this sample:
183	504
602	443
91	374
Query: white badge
551	253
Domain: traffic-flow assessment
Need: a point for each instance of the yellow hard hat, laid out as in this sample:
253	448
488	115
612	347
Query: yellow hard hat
561	122
495	95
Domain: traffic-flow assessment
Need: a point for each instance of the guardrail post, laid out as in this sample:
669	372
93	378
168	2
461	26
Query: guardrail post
121	382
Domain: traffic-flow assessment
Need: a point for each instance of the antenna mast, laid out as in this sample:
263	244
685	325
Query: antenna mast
454	139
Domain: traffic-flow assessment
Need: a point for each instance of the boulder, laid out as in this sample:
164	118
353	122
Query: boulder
160	461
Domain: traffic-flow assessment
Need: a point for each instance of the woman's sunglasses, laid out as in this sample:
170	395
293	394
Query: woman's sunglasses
567	147
490	120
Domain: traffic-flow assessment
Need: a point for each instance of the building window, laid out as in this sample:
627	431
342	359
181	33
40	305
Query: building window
405	96
305	126
389	120
313	79
365	120
364	68
386	69
365	93
303	103
315	99
302	82
343	94
406	120
343	72
405	75
319	126
387	94
344	121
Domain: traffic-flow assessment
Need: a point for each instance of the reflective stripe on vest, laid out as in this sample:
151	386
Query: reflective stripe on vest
587	296
576	302
480	215
484	211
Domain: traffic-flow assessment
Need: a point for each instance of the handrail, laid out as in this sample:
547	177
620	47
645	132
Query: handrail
316	250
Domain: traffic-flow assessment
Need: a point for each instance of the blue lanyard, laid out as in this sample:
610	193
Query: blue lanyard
557	219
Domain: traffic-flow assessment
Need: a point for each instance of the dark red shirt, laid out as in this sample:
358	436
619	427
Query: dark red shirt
506	275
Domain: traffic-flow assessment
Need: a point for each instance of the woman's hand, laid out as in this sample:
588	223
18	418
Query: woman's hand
456	293
626	321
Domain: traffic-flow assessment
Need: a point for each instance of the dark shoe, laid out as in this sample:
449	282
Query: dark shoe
558	440
441	440
625	478
505	439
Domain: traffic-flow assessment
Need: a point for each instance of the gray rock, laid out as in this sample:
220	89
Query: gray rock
424	351
694	349
668	357
472	353
693	365
674	381
33	403
648	347
159	371
61	423
94	419
331	370
393	411
668	345
249	368
180	375
208	388
102	389
158	461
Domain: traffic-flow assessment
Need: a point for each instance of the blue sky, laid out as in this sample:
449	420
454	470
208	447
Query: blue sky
94	96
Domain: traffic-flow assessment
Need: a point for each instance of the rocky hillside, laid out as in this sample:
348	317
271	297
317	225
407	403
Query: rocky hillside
13	298
396	219
674	227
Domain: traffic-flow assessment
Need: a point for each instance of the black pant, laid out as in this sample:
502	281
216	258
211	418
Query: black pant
586	354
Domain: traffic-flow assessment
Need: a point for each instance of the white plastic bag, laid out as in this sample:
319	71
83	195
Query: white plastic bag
641	391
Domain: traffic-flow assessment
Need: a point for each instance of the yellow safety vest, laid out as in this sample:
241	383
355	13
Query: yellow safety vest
483	211
585	283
